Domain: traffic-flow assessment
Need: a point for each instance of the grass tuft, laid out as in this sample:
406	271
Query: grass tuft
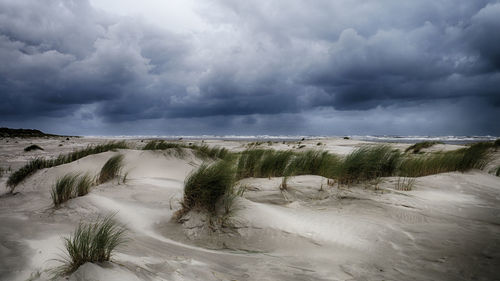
64	189
249	162
201	151
205	186
472	157
367	163
70	186
111	168
313	162
83	185
405	184
421	145
40	163
33	147
93	243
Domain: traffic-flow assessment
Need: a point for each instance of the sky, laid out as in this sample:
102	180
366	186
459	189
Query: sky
223	67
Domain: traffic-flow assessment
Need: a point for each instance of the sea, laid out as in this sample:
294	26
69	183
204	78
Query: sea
372	138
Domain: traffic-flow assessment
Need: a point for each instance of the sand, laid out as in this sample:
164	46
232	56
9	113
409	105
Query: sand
446	228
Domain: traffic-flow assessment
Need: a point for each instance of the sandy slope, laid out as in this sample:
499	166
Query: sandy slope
447	228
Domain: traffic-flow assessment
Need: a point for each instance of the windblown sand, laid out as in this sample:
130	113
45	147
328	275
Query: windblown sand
446	228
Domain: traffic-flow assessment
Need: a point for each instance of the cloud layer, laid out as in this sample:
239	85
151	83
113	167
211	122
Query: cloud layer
332	67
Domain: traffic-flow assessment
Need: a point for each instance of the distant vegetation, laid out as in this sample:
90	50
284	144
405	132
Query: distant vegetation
23	133
93	243
39	163
32	147
421	145
201	151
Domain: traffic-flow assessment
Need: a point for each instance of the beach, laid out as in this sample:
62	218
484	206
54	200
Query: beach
447	227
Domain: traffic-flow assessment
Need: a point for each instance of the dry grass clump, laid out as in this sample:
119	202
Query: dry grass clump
70	186
39	163
111	168
33	147
421	145
405	184
204	187
94	242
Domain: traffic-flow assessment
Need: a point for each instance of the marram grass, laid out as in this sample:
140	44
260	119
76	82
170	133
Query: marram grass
83	185
70	186
111	168
205	186
421	145
201	151
64	189
40	163
472	157
363	164
367	163
94	242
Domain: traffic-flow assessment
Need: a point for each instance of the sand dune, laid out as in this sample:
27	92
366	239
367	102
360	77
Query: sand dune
446	228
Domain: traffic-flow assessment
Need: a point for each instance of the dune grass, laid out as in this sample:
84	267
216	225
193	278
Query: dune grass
473	157
70	186
367	163
207	152
248	162
263	163
94	242
405	184
33	147
363	164
40	163
205	186
64	189
313	162
111	168
160	145
83	185
201	151
421	145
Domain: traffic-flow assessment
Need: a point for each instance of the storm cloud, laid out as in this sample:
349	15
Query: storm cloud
266	67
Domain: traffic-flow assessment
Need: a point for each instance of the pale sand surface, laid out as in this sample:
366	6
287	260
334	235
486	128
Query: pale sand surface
446	228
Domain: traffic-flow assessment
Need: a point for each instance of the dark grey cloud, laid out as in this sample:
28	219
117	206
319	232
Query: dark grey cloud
260	66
